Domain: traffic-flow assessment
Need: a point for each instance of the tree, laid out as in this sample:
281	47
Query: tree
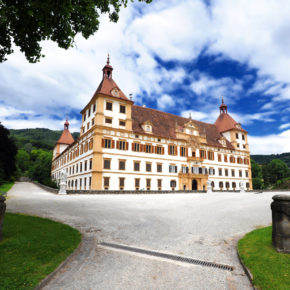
274	171
8	152
28	22
257	177
22	161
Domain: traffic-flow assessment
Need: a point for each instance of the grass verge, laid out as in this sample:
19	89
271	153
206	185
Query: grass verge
270	269
32	248
6	187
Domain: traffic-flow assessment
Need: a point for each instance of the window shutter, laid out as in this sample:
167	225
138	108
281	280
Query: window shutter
103	143
168	149
180	151
118	144
162	151
127	145
175	150
154	149
133	146
175	168
186	152
113	143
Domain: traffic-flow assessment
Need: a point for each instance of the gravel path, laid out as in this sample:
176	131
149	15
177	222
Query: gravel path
200	226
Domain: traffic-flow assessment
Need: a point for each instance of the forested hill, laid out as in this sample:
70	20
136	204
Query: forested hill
262	159
40	138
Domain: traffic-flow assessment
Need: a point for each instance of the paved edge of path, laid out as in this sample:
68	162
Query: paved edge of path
82	250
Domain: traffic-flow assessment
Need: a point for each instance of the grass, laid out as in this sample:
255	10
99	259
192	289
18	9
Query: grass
270	269
6	187
32	248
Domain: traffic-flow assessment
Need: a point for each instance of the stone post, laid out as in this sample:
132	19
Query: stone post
209	187
281	223
2	212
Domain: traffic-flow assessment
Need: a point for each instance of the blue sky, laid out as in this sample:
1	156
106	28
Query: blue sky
180	56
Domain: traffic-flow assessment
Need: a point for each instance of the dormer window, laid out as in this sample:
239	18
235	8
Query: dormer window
147	126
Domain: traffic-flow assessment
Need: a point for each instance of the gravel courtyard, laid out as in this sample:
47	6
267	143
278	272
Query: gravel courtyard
199	226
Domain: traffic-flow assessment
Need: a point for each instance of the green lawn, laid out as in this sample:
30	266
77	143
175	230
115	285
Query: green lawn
271	270
32	248
6	187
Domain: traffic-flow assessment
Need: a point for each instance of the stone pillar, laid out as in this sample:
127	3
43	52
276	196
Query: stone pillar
2	212
209	187
281	223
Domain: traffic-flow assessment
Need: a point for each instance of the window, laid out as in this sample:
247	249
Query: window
159	167
107	163
85	183
122	164
244	146
90	182
193	154
240	173
148	128
85	117
210	155
159	184
172	150
77	168
202	154
232	159
184	169
172	184
136	165
88	126
91	164
148	167
183	151
247	173
81	167
211	171
219	158
243	137
225	158
121	183
148	148
108	143
240	160
85	165
246	161
89	112
137	183
238	145
233	172
159	150
248	185
122	109
94	108
227	185
109	106
148	183
106	182
221	185
136	147
234	185
108	120
237	136
93	122
122	123
80	183
172	168
122	145
220	172
226	172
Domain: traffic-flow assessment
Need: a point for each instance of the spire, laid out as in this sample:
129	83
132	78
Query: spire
66	137
107	70
66	124
223	107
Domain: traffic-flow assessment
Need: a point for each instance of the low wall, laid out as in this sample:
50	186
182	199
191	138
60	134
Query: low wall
133	191
50	189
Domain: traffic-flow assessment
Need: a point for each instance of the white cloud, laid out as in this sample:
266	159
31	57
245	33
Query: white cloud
271	144
284	126
165	101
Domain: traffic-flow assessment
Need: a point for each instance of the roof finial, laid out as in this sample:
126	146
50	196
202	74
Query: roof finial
108	59
222	99
190	115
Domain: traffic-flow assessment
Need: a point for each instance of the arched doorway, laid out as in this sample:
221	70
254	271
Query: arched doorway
194	184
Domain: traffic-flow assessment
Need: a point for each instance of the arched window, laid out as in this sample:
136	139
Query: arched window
221	185
234	185
173	183
248	185
227	185
212	184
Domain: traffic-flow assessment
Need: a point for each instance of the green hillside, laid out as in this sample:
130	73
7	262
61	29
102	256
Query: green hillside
263	159
40	138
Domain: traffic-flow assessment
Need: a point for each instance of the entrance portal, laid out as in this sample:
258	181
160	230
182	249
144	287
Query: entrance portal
194	184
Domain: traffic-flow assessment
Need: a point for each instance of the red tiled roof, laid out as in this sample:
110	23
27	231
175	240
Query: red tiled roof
225	123
164	124
65	138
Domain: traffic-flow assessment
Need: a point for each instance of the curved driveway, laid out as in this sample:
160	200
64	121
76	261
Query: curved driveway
200	226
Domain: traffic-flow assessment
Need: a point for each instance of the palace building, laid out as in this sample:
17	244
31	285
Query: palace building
127	147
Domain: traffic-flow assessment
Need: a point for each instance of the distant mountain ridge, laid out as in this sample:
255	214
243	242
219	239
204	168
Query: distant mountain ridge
262	159
40	138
